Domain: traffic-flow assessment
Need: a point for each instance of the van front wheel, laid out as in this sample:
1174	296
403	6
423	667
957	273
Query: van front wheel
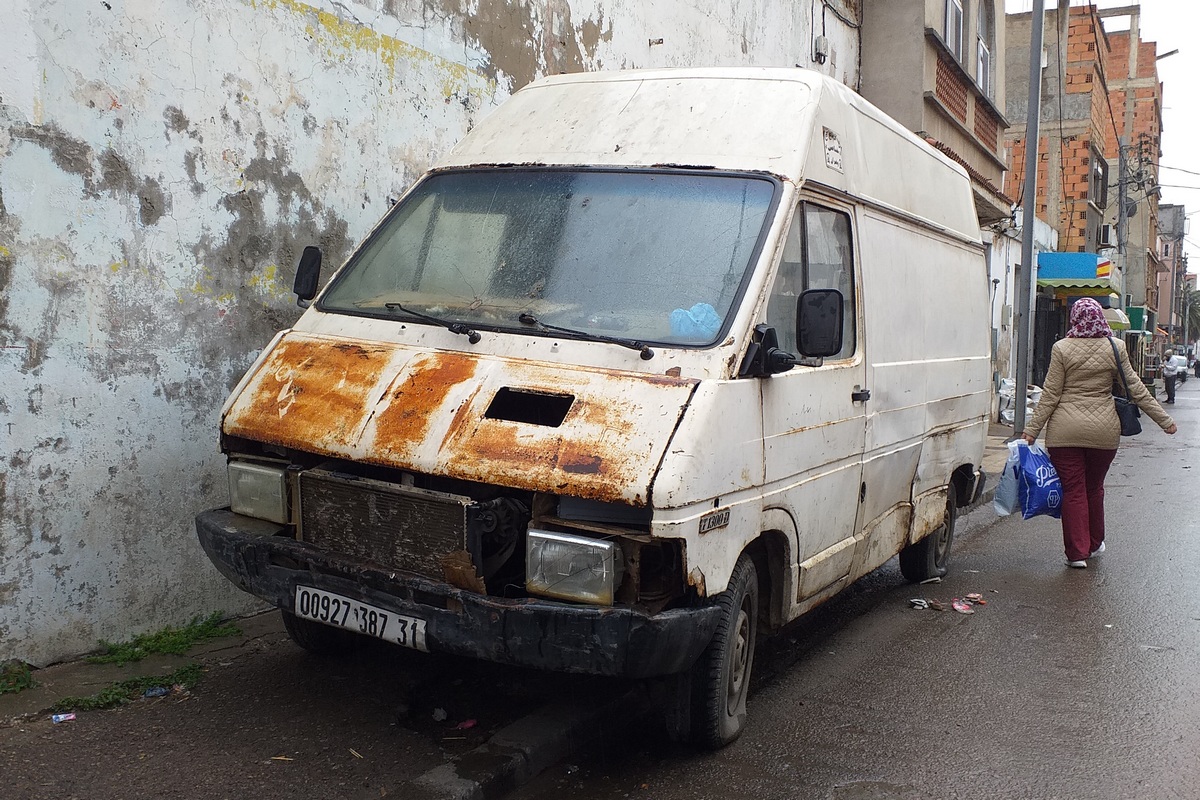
318	639
930	557
721	677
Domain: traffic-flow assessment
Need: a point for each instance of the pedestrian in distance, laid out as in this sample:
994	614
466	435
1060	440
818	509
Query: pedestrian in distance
1170	374
1081	424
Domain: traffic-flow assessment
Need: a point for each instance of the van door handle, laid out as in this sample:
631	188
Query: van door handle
860	395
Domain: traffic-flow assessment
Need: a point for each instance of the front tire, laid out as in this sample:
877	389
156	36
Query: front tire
318	639
930	557
721	677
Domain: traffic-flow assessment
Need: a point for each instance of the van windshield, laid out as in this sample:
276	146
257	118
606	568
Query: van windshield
651	256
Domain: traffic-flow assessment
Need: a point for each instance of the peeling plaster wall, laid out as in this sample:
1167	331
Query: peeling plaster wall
162	163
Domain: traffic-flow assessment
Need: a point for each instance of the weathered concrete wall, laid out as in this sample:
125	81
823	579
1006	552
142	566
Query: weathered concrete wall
162	162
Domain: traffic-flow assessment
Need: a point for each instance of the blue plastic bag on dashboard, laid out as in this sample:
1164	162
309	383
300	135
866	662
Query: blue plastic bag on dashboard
1029	482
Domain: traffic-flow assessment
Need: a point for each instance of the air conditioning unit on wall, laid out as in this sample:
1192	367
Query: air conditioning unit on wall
1108	236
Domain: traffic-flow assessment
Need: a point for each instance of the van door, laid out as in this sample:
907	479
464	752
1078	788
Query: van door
814	421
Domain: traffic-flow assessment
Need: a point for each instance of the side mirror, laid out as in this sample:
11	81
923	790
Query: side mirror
763	356
819	318
308	276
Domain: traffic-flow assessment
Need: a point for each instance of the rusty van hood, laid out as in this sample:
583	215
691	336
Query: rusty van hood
428	411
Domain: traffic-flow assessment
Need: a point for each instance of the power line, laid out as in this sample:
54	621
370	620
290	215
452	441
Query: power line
1178	169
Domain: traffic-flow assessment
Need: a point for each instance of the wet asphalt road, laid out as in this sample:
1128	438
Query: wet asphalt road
1067	684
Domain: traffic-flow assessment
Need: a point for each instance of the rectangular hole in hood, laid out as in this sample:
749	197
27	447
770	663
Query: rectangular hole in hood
535	408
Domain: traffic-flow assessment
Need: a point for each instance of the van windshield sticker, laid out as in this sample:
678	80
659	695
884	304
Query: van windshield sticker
833	150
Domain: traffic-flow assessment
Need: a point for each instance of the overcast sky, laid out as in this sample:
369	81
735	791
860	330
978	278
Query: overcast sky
1173	24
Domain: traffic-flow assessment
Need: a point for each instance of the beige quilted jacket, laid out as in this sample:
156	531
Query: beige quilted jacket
1077	406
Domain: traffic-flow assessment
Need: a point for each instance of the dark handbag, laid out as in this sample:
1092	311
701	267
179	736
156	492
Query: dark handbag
1127	410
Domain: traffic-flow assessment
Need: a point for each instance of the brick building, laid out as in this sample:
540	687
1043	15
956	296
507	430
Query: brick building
1098	150
1135	94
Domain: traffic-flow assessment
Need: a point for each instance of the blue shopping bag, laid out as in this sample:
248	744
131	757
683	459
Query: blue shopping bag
1029	482
1039	491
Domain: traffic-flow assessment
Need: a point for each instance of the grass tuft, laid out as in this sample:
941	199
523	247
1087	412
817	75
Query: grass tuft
15	676
116	694
171	641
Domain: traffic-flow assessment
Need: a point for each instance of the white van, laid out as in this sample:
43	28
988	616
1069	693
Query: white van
650	361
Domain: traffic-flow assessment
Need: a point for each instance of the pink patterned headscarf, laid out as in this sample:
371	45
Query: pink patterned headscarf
1087	320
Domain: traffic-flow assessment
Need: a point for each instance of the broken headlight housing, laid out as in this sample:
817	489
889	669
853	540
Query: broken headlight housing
259	491
570	567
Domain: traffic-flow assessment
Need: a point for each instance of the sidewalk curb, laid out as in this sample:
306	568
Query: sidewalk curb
516	754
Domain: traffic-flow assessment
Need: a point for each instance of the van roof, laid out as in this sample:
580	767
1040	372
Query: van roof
793	123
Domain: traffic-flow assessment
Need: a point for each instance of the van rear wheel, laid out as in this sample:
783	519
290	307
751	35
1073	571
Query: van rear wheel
318	639
930	557
721	677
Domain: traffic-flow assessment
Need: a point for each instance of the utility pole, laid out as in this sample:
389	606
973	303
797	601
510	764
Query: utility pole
1122	197
1024	272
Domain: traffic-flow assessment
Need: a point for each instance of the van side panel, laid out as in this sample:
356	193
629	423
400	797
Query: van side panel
929	364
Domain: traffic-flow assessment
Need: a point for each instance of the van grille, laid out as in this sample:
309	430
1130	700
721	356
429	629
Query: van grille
397	527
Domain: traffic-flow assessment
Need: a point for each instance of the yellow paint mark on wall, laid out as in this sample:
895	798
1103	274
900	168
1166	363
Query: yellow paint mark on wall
332	32
5	252
267	283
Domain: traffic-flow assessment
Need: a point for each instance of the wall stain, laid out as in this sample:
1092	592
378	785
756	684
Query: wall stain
68	153
176	121
117	177
189	165
507	32
333	32
115	174
152	203
560	46
8	333
251	242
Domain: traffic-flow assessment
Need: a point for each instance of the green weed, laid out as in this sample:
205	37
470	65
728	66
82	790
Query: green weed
15	676
130	689
172	641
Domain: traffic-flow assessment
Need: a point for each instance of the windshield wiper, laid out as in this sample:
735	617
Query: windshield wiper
525	318
460	328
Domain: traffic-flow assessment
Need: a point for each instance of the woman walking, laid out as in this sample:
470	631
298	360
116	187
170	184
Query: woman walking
1082	429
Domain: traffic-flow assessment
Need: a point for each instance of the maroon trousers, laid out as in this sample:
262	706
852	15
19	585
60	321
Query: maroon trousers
1082	471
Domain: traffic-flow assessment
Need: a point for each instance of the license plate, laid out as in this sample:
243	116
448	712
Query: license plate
344	612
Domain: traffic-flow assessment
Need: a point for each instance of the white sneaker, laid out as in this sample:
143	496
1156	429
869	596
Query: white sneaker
1098	550
1077	564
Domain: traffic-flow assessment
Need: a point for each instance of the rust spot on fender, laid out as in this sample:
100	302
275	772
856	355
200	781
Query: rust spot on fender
594	453
309	394
411	406
586	465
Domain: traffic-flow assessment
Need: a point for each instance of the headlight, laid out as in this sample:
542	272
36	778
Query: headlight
258	491
572	567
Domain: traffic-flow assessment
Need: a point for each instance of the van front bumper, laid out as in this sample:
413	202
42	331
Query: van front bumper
259	559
